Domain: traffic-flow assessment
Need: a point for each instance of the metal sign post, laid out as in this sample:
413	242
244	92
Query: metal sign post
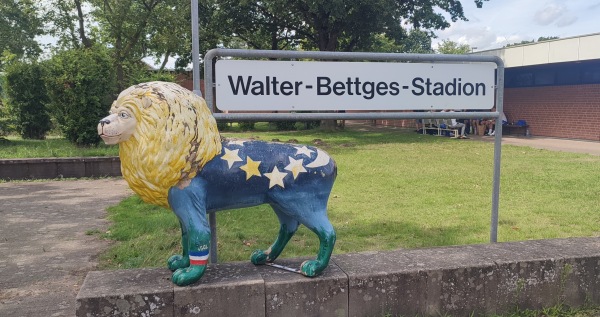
418	60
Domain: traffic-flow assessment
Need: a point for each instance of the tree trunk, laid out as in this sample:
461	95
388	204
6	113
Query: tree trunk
84	39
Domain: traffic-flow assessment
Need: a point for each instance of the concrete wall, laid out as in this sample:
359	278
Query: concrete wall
50	168
557	111
457	281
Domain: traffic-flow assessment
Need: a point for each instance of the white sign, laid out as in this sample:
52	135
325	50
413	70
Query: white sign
248	85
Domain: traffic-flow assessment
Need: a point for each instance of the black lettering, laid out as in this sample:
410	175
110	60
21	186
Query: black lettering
286	88
438	89
416	82
428	84
258	88
477	89
357	86
394	88
239	84
339	88
451	88
470	90
349	83
382	88
274	83
325	86
369	89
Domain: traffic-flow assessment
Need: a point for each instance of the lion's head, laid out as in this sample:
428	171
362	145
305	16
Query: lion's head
166	134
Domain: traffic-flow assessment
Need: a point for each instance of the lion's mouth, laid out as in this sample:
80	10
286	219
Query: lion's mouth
110	139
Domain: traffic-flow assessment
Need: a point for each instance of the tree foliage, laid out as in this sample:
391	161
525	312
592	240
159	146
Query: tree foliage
451	47
81	87
26	99
540	39
336	25
19	25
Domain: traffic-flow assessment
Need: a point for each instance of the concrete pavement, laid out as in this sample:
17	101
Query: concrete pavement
45	246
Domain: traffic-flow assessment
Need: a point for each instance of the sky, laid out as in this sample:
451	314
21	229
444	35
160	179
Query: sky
501	22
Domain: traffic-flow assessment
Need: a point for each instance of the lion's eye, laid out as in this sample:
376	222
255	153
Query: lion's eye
123	115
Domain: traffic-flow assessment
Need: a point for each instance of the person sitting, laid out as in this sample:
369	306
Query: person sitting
457	125
491	124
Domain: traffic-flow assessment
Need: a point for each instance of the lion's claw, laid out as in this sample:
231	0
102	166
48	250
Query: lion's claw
259	257
177	261
188	275
311	268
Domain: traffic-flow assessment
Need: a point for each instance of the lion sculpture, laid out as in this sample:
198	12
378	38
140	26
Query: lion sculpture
172	155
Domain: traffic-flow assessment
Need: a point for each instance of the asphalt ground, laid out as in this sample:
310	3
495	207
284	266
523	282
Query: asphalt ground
46	245
46	248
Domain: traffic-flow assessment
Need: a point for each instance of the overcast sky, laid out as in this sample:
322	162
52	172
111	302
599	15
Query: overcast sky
502	22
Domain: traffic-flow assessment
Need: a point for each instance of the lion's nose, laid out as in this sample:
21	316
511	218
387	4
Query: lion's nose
104	121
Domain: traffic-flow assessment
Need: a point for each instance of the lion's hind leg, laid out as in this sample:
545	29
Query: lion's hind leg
287	229
320	225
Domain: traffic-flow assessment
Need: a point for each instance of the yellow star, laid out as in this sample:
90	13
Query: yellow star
295	167
303	150
251	168
275	177
231	157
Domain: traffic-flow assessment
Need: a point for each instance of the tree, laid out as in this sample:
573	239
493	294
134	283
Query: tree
68	23
417	41
26	98
336	25
340	25
547	38
451	47
81	88
19	25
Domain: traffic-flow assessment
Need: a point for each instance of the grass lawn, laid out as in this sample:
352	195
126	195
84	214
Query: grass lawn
395	189
53	146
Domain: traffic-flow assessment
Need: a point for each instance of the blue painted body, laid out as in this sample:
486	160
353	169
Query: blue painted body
295	180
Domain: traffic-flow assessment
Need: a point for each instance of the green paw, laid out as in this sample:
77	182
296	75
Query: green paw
259	257
311	268
188	275
177	261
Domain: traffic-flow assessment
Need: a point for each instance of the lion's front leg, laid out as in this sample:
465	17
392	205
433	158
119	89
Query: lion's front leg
188	203
179	261
199	243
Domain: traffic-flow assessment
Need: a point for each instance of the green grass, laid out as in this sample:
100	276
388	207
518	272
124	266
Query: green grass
53	146
395	189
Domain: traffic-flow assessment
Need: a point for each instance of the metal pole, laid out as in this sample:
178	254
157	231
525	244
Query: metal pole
195	49
212	218
497	152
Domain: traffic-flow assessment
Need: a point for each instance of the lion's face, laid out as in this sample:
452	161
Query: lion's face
165	134
118	126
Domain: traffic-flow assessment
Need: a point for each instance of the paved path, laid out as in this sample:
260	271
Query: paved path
546	143
44	250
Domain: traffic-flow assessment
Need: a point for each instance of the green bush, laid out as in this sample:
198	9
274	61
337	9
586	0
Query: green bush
139	73
26	100
81	85
284	125
223	125
246	125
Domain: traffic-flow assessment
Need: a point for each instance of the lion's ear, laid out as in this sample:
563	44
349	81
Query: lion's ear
146	102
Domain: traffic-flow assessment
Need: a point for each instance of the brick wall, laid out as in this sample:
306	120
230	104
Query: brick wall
557	111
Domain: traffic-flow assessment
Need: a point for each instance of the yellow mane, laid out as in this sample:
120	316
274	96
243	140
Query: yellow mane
175	136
